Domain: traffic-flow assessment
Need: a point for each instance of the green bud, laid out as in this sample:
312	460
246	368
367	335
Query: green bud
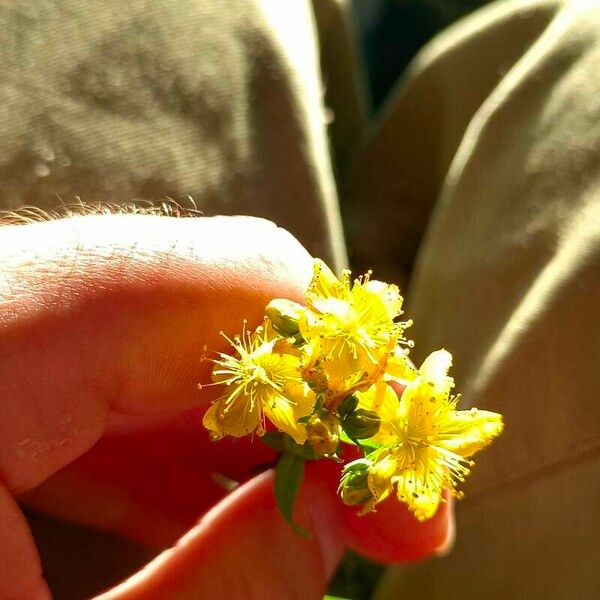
284	316
348	405
361	424
354	487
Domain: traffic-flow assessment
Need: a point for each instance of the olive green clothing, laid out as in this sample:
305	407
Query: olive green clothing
497	129
221	102
479	184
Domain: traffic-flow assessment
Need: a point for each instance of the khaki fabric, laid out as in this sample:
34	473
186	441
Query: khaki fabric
479	183
405	154
343	80
508	279
222	101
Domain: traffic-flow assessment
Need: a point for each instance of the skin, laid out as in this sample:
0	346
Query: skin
103	324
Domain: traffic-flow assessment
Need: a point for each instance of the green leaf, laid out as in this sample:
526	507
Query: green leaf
333	598
367	446
344	437
299	341
348	405
288	478
275	440
303	451
283	443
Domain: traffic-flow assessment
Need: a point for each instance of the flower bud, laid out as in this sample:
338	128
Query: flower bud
323	433
284	315
348	405
354	487
361	424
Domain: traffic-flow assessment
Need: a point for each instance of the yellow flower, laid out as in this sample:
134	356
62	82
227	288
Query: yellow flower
425	442
349	328
398	367
260	383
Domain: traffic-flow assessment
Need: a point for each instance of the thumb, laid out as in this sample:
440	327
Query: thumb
20	568
102	321
243	548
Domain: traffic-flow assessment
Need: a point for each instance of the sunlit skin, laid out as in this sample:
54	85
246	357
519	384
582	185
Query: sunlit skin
102	325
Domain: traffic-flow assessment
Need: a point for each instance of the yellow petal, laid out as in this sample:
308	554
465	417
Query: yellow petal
311	352
285	409
302	397
420	491
280	367
429	392
325	322
380	476
210	421
434	372
325	284
341	368
388	295
400	368
468	431
236	416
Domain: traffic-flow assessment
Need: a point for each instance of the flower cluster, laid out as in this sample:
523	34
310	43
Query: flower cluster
337	370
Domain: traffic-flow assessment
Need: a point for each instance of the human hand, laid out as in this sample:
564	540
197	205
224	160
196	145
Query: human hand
102	324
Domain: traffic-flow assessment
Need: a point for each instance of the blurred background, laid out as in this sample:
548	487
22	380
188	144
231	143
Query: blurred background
391	32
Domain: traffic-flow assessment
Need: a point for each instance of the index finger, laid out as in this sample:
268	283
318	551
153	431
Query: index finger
112	314
108	315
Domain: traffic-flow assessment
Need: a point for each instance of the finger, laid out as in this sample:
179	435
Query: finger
112	314
391	534
394	535
151	487
156	342
244	549
153	491
108	314
20	568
